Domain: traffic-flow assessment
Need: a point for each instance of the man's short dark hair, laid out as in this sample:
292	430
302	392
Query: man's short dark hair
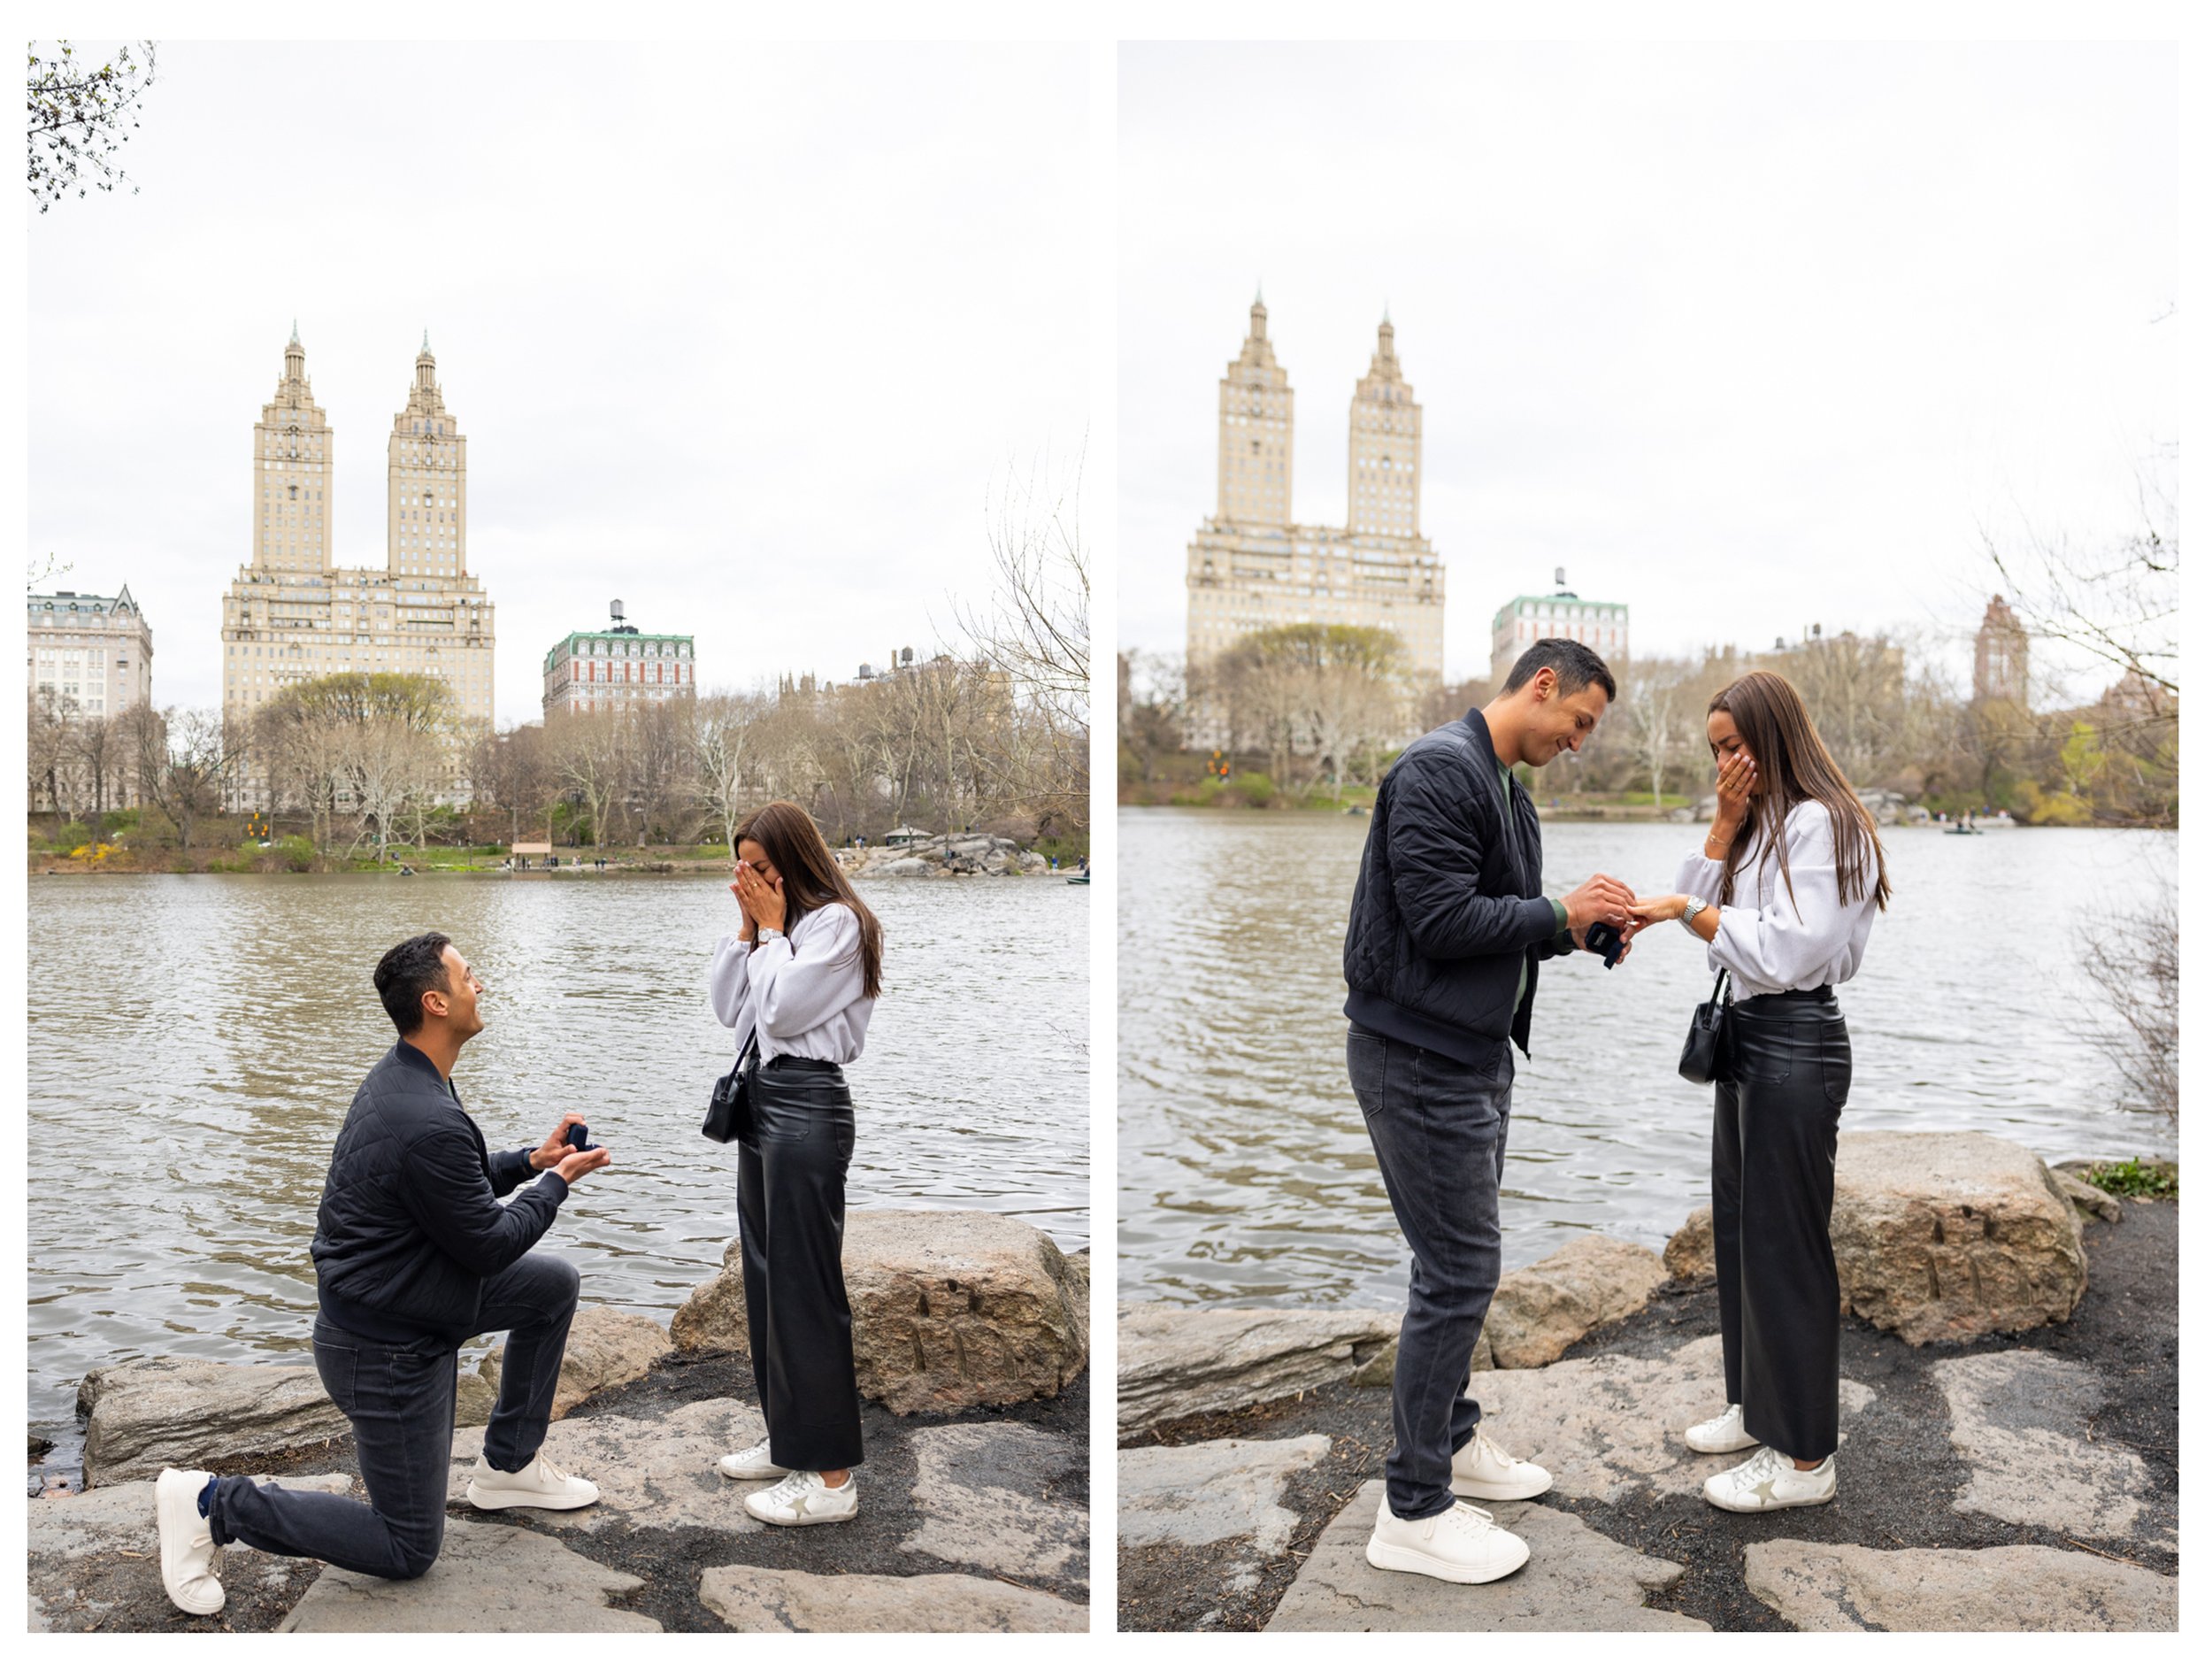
414	967
1574	664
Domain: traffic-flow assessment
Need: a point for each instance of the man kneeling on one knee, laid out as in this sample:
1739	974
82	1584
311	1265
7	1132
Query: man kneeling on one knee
414	1254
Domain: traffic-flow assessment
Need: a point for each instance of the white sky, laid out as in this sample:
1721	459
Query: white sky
744	343
1746	336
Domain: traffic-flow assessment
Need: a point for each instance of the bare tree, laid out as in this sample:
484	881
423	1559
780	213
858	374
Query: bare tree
182	756
587	748
78	118
2133	959
1652	703
2120	605
725	759
1038	627
49	752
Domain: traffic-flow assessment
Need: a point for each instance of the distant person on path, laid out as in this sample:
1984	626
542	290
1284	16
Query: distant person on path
1783	893
413	1256
1448	921
798	981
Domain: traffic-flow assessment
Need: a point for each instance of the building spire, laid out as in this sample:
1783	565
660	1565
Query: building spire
296	332
426	341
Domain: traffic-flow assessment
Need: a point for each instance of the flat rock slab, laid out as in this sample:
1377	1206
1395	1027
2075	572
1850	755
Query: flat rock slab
658	1474
489	1579
984	1493
188	1412
1575	1581
1607	1426
1830	1588
1194	1494
2020	1419
92	1553
756	1600
1177	1360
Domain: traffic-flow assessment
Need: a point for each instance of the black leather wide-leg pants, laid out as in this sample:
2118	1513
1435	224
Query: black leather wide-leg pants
1787	1072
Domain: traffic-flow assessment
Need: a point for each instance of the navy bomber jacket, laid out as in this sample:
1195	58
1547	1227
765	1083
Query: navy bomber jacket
410	1225
1450	904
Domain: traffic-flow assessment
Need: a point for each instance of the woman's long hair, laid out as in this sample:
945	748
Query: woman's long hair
1771	720
811	877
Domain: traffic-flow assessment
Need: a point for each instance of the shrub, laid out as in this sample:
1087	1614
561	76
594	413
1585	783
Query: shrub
1256	790
2137	1177
296	853
73	836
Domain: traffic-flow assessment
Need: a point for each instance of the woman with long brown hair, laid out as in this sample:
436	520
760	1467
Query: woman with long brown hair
798	979
1783	895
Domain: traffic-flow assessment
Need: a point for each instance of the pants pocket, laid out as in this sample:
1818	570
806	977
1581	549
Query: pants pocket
1835	1066
338	1365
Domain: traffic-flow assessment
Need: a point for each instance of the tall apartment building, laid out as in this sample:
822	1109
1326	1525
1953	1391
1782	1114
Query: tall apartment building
95	653
616	666
1251	566
294	614
2001	655
1518	624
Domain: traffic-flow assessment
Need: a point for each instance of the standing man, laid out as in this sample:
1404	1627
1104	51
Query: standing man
1448	921
413	1255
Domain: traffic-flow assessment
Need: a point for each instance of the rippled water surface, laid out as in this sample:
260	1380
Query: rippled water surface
194	1042
1245	1174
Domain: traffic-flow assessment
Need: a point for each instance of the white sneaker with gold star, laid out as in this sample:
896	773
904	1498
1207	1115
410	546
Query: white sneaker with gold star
1771	1480
1723	1435
803	1498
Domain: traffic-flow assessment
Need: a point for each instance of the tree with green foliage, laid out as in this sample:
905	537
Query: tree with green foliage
81	118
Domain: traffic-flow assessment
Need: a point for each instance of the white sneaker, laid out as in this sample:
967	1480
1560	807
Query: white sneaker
540	1484
1771	1480
753	1463
1481	1469
803	1498
188	1543
1722	1434
1460	1544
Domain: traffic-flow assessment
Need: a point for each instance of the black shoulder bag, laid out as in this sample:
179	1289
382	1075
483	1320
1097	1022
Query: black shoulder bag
729	1105
1700	1052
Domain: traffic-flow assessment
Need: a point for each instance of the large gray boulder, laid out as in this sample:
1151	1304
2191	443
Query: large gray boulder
489	1579
952	1310
186	1412
1949	1236
606	1348
1689	1254
1542	1309
1177	1360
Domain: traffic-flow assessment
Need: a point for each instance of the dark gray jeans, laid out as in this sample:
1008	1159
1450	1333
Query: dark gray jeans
400	1400
1439	1129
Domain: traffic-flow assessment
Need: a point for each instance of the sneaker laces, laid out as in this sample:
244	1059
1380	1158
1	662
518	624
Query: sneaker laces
1483	1443
546	1466
791	1486
1470	1520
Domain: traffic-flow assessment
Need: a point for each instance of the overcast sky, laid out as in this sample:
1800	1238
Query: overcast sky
743	335
1749	337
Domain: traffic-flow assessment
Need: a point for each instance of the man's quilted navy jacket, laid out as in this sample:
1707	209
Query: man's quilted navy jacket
410	1223
1450	904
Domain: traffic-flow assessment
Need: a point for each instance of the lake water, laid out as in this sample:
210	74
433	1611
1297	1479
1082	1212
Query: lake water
1245	1174
194	1043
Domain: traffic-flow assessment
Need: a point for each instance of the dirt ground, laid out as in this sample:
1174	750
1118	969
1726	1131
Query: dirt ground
1895	1480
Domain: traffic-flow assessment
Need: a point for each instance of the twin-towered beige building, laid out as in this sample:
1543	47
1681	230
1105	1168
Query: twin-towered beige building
1252	567
294	614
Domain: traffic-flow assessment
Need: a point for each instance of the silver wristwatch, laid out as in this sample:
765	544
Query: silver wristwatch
767	933
1692	905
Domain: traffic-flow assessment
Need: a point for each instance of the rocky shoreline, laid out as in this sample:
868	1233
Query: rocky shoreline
2016	1468
973	1335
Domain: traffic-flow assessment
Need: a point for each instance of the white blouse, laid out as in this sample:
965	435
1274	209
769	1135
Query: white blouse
802	991
1778	944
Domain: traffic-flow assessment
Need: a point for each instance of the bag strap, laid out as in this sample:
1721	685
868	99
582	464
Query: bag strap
751	1047
1718	980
